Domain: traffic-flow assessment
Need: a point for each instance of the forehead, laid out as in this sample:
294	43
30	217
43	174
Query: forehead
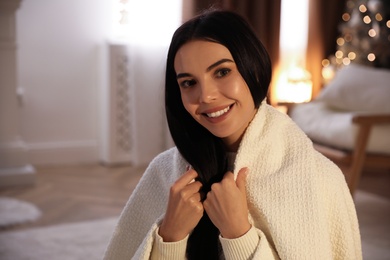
199	54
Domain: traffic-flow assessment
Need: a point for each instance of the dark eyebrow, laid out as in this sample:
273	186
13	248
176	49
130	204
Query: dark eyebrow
218	63
183	75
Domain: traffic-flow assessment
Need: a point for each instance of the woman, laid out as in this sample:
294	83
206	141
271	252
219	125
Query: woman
243	181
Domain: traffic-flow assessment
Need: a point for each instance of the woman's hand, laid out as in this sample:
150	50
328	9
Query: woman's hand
184	210
227	207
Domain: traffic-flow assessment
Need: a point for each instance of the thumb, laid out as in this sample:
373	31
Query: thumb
241	179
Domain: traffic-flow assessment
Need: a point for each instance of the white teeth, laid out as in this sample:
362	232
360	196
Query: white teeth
219	113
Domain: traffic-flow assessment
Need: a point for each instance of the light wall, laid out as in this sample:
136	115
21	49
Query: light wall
61	68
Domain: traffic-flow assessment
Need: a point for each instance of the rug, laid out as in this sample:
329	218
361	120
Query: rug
88	240
14	211
83	240
374	221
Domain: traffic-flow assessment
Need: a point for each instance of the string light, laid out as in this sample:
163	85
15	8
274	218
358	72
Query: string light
364	38
371	57
362	8
340	41
366	19
352	55
372	33
346	61
348	37
339	54
346	17
378	17
325	62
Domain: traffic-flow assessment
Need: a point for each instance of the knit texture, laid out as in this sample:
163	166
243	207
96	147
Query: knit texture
168	251
298	200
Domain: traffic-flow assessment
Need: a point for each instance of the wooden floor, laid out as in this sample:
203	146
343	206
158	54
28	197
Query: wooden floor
376	182
78	193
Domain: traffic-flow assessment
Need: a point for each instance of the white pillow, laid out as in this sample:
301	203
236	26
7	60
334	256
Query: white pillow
359	88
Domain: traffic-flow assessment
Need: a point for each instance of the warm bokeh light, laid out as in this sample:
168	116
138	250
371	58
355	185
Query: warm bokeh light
340	41
348	37
372	33
371	57
366	19
346	61
362	8
346	17
378	17
328	73
325	62
296	86
363	35
352	55
293	45
339	54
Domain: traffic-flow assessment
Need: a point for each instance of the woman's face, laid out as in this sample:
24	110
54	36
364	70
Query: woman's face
213	91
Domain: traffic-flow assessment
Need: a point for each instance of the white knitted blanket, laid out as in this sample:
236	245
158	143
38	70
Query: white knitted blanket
298	200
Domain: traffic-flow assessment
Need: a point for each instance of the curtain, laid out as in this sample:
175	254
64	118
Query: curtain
324	17
264	17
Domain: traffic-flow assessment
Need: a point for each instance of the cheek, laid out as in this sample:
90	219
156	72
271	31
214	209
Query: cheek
186	99
239	89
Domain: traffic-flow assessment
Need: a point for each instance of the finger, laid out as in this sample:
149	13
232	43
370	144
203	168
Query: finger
241	179
187	177
229	176
196	197
194	187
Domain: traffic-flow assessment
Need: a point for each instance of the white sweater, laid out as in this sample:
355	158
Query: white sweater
298	200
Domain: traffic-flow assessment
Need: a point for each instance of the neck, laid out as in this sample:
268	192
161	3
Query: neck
233	146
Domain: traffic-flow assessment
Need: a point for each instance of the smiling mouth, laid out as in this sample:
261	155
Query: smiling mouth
219	113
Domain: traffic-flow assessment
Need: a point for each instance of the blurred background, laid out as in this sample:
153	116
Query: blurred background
82	81
81	86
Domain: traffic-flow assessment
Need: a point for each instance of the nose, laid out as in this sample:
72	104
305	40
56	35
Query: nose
208	92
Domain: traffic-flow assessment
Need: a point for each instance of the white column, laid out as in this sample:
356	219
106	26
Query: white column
14	166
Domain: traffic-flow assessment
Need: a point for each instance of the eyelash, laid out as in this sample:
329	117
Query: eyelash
220	73
187	83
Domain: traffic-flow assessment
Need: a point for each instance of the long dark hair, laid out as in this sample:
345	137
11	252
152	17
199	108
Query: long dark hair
202	150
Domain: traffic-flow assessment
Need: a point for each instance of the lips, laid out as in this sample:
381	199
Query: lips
218	113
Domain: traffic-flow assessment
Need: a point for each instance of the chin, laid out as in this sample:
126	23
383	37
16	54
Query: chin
220	134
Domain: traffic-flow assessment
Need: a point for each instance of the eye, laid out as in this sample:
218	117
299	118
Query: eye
187	83
222	72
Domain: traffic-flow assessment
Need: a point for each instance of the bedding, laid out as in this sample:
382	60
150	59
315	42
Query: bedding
333	127
356	89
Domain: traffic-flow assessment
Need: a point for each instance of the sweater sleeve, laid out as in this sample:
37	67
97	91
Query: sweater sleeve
170	251
242	247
